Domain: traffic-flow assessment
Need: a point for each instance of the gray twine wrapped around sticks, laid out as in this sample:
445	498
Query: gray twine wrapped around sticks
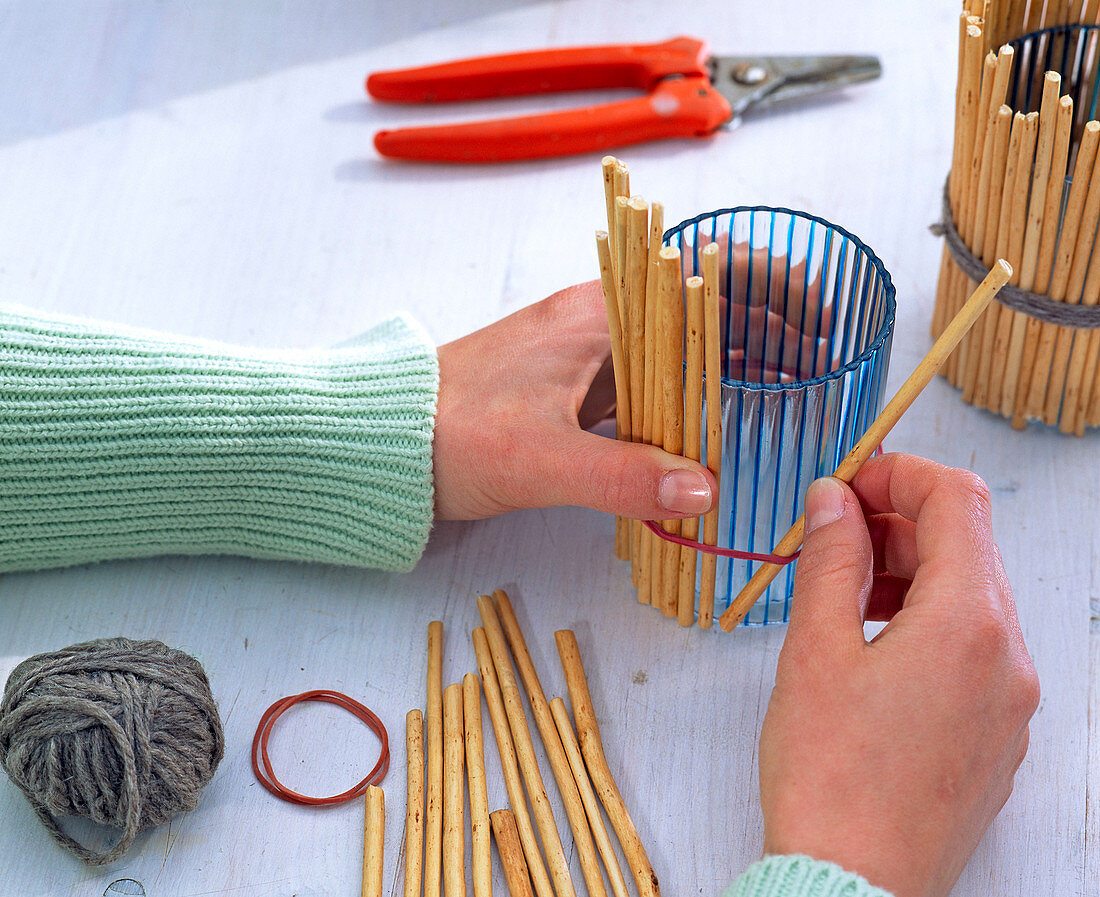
123	732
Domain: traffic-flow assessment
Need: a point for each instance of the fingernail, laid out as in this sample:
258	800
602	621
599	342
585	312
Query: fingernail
684	492
824	503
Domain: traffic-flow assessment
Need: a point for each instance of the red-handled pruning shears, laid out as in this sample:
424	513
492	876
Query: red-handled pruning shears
689	94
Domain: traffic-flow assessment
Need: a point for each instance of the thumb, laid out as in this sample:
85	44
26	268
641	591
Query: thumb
833	580
628	479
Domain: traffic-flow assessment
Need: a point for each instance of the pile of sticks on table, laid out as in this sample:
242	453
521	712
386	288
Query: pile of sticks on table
665	348
445	753
1009	199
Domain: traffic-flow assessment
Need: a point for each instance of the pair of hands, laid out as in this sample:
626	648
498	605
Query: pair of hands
889	758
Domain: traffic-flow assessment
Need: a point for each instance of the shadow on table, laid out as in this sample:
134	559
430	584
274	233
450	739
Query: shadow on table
65	65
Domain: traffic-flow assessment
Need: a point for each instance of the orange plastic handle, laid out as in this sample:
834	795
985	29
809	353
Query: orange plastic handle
542	71
679	107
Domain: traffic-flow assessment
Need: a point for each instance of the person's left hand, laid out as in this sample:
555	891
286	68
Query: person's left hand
514	401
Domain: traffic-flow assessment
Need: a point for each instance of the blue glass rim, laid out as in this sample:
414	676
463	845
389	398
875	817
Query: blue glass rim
888	286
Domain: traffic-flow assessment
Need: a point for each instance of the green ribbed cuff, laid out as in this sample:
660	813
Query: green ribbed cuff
120	443
799	876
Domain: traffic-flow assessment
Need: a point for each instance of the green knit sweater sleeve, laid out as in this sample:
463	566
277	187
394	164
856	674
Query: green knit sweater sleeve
799	876
120	443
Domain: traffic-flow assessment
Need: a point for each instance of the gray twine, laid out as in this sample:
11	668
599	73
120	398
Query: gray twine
122	732
1037	305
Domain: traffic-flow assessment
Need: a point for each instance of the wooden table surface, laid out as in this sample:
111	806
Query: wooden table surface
207	169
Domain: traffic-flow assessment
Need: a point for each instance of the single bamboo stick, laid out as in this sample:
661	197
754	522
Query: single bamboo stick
618	364
1040	373
414	802
977	383
712	356
510	765
433	761
1025	329
454	794
588	735
637	261
551	741
1005	368
693	437
656	234
672	378
511	854
588	797
479	796
374	835
891	414
525	751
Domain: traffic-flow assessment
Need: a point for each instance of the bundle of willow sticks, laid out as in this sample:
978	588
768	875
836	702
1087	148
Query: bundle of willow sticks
1025	186
665	346
446	753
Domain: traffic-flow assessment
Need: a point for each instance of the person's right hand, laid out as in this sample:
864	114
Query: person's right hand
891	758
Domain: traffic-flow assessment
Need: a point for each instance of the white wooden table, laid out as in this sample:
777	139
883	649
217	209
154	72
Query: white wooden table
207	169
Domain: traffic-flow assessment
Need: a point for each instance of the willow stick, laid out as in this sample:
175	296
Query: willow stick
891	414
656	234
551	741
414	802
1075	289
1063	373
637	261
454	794
693	437
609	194
588	735
509	765
672	378
511	853
955	175
374	836
525	751
591	803
1002	371
970	100
973	209
622	206
479	796
1079	390
618	364
1031	402
1088	402
995	349
1002	67
433	760
712	357
977	382
1025	329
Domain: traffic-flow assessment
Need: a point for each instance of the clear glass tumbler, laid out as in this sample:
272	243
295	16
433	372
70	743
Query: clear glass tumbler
807	319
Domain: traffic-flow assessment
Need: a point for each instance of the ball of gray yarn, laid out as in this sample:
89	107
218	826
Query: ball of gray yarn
122	732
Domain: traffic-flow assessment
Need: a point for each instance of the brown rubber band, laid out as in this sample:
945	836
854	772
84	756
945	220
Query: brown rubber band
261	763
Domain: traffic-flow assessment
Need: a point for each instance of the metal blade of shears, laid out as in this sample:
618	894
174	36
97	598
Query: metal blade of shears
754	82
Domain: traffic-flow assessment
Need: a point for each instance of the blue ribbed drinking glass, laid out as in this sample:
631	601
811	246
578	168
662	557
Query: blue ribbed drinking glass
807	318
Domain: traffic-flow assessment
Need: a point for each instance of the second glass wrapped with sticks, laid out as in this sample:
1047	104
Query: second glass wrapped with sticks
756	341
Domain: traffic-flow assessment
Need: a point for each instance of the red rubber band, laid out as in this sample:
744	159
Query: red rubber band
777	559
261	763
